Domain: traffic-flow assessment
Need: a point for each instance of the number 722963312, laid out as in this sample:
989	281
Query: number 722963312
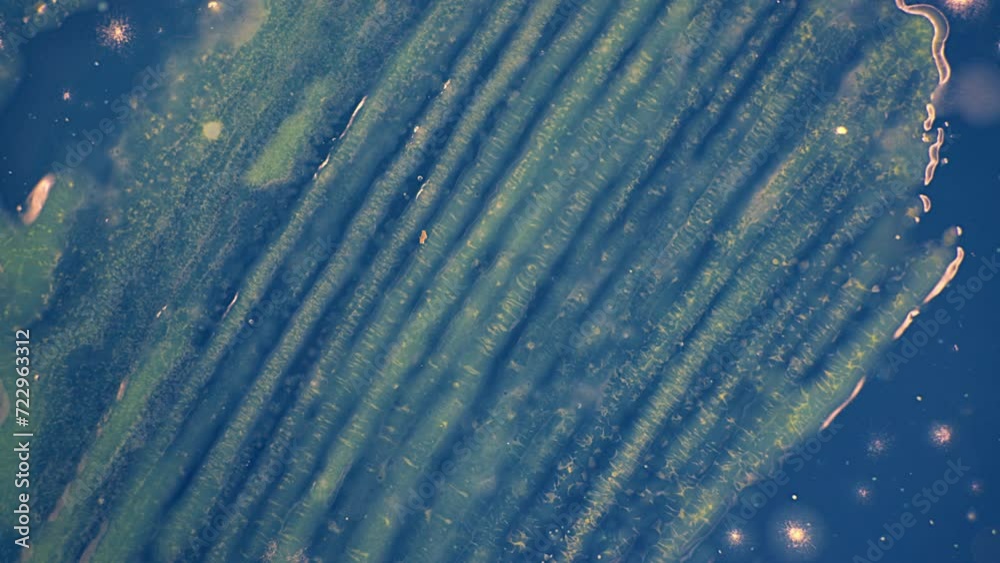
22	361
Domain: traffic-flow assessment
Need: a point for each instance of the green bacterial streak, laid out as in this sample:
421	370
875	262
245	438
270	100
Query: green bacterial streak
469	280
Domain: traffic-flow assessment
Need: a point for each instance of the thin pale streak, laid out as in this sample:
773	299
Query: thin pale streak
931	116
906	324
231	303
857	389
949	274
941	31
361	104
934	156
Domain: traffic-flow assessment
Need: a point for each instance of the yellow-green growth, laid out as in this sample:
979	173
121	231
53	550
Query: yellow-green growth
288	149
29	254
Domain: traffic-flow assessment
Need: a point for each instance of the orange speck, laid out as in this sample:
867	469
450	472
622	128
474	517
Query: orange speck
797	535
941	435
735	537
116	34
